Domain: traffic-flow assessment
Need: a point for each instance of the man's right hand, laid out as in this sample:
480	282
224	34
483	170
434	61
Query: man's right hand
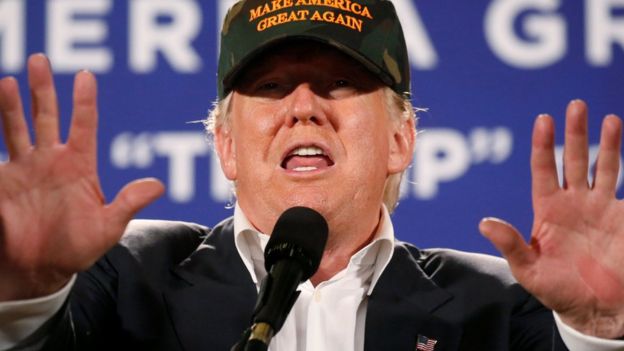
54	220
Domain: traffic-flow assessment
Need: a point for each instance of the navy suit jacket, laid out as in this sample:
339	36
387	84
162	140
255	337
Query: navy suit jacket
180	286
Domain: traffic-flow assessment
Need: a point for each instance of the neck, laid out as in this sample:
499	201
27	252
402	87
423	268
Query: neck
338	253
346	237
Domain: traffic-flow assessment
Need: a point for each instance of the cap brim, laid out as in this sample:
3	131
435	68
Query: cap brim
230	80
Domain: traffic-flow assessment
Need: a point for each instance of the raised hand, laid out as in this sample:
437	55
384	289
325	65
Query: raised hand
54	218
574	263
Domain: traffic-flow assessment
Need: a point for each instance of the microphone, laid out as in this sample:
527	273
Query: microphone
292	256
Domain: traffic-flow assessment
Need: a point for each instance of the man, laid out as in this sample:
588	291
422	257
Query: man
313	112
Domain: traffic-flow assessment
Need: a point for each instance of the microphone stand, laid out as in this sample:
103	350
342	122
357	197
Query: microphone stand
255	338
272	306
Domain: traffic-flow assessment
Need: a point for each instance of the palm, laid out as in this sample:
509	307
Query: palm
573	262
55	221
61	196
578	253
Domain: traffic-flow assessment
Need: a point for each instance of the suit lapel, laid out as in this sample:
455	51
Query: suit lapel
211	289
402	305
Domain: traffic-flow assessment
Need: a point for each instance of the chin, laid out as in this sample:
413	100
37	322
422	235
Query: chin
316	199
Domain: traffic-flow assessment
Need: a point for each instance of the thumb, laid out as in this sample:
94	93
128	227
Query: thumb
132	198
508	241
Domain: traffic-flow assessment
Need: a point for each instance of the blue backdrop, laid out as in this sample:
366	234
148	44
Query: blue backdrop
483	69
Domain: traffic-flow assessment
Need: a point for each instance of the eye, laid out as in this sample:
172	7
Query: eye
342	83
271	88
268	86
342	88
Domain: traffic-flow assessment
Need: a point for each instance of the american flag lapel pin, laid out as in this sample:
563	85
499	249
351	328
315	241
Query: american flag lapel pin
425	344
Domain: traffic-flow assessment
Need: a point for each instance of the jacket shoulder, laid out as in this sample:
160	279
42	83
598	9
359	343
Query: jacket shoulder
152	241
448	266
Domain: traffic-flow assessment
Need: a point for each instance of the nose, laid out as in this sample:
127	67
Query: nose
305	106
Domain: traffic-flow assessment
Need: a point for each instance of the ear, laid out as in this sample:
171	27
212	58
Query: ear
402	139
226	150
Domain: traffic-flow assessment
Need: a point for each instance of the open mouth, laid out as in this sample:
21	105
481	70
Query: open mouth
306	159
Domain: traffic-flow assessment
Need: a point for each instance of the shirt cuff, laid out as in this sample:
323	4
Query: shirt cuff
21	318
577	341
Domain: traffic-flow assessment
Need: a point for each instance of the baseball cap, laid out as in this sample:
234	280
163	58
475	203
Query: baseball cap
367	30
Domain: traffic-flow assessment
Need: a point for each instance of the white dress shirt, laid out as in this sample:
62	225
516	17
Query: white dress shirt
330	316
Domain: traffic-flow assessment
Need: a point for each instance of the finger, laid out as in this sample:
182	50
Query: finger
575	150
44	103
83	131
131	199
508	242
13	122
608	163
543	167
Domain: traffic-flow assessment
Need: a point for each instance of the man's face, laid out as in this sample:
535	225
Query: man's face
310	126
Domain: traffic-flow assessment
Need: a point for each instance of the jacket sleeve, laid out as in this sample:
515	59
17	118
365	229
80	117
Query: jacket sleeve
85	317
532	327
121	289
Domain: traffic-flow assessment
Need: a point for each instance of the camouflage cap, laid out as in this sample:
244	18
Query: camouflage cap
367	30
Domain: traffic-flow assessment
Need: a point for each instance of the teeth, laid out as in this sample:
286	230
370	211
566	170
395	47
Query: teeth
307	151
304	169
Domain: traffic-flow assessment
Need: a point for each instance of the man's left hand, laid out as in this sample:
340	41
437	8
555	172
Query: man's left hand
574	263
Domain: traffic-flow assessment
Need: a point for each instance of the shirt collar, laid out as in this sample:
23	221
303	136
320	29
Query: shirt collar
250	244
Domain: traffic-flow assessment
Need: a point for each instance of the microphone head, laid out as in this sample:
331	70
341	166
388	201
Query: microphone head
300	234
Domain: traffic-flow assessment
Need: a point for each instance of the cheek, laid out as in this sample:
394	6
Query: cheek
367	142
365	133
254	128
259	119
367	157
